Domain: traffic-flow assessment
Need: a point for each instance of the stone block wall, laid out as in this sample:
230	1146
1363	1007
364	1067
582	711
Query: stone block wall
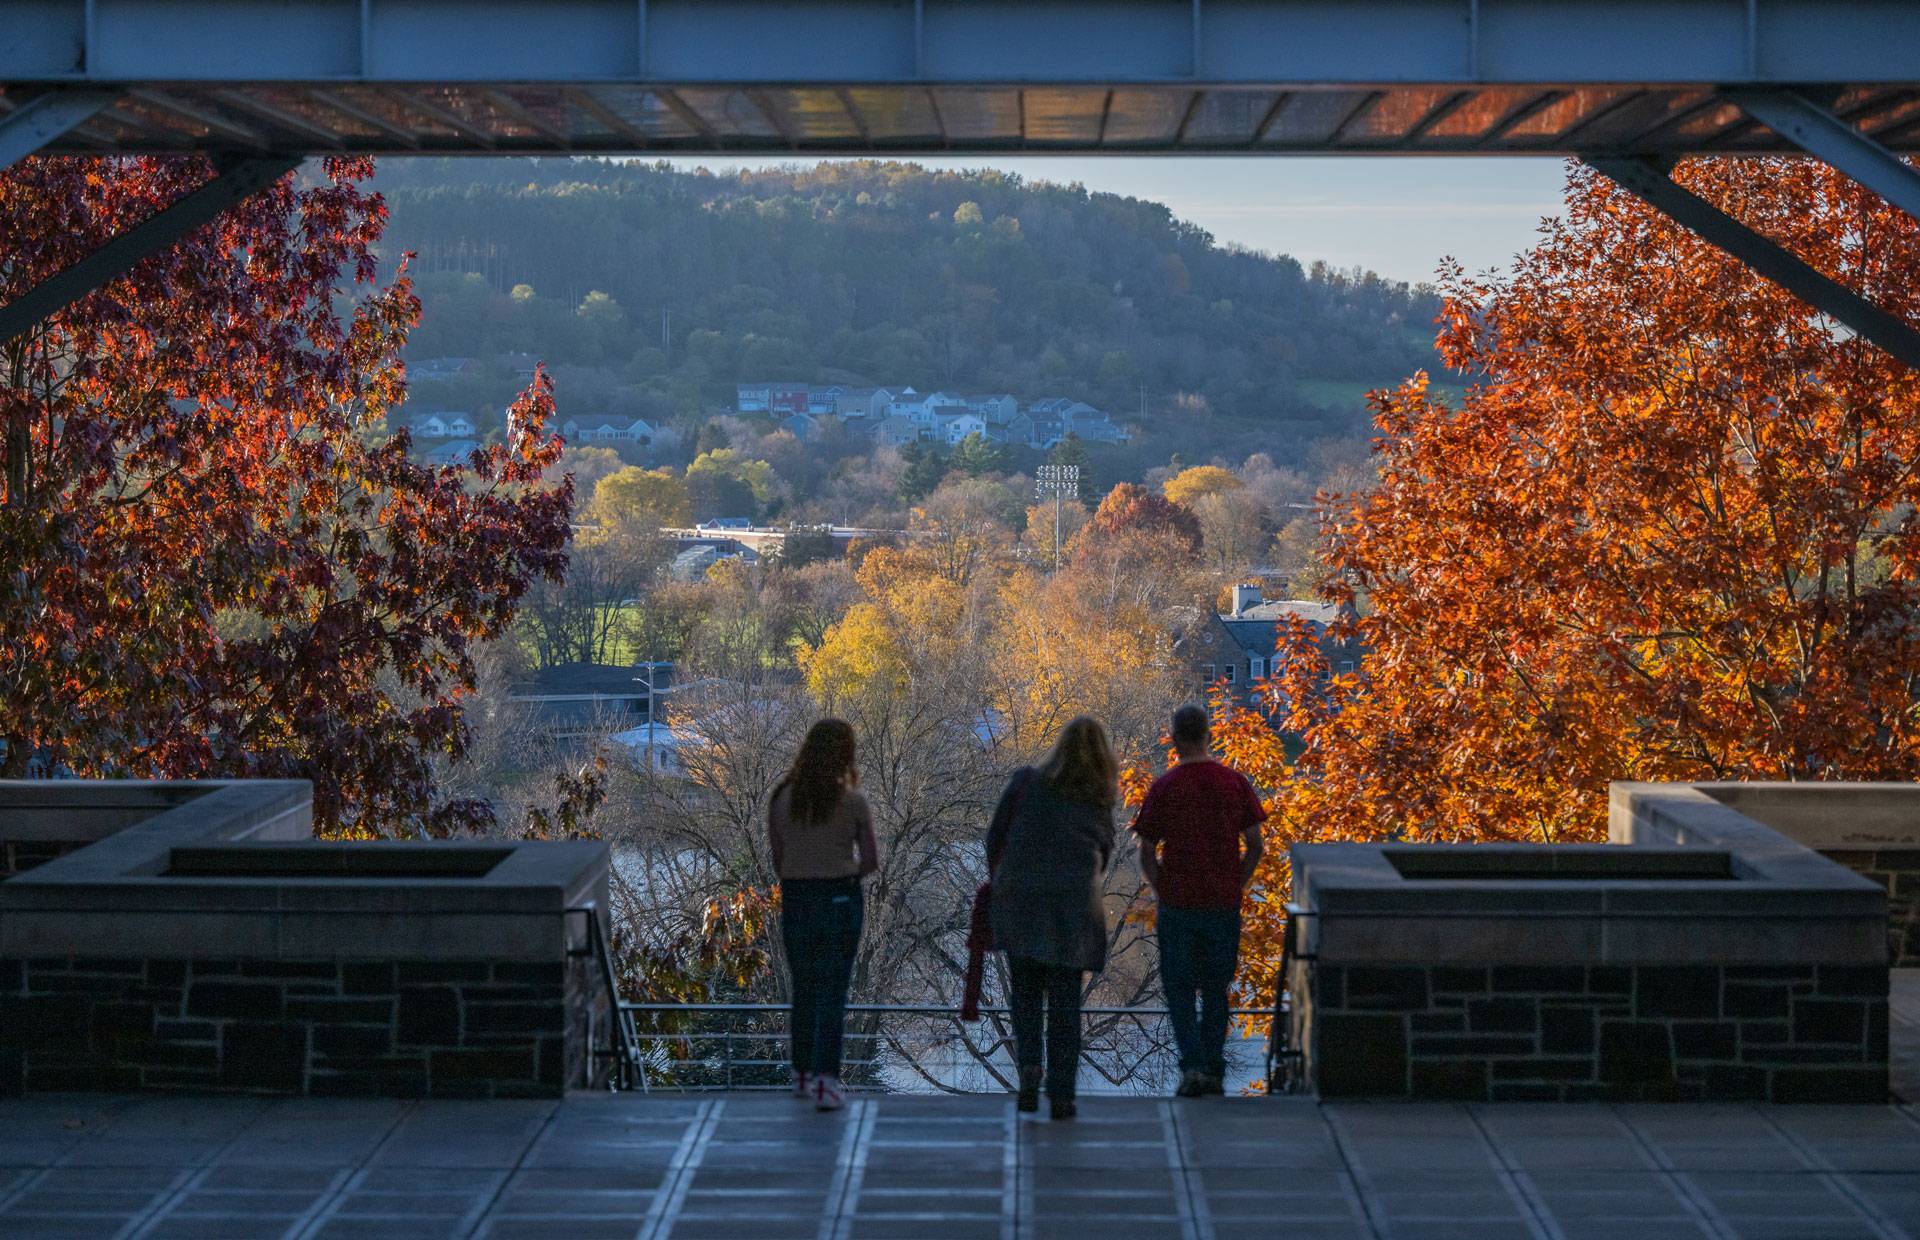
444	1029
1898	870
1791	1033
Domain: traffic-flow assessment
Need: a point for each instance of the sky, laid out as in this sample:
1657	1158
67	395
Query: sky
1396	216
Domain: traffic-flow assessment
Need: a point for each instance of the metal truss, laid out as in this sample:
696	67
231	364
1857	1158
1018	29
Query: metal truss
1631	85
1137	76
1825	136
1114	43
1801	120
1648	180
43	118
235	180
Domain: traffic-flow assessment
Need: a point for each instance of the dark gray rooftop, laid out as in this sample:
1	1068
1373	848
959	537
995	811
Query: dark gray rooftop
595	678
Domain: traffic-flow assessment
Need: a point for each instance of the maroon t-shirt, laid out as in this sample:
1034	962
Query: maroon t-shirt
1197	813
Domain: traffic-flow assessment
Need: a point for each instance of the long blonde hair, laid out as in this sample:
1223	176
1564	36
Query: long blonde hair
1081	765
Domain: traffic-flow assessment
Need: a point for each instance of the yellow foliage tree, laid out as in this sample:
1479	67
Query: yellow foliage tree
1189	486
860	652
655	497
729	463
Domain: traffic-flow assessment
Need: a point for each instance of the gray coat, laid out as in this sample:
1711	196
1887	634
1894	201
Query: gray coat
1047	854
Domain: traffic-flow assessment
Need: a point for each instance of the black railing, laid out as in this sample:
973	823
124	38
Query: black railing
1286	1060
904	1048
621	1049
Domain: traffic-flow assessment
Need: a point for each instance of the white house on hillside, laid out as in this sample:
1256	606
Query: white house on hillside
441	426
952	428
608	430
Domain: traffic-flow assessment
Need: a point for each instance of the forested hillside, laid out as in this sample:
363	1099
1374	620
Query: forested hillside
655	290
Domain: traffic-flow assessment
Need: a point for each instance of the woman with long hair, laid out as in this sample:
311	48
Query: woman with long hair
1047	851
821	832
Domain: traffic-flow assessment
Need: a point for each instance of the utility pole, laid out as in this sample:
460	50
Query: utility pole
1061	482
653	703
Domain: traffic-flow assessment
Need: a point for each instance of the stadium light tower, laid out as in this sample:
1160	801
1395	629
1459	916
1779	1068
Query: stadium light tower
1063	483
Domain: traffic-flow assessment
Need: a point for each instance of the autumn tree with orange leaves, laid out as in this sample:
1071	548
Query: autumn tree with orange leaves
209	566
1671	535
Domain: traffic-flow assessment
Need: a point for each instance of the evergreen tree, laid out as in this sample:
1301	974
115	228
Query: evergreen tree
977	455
926	466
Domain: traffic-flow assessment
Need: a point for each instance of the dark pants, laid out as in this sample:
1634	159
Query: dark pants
1047	995
1199	951
820	927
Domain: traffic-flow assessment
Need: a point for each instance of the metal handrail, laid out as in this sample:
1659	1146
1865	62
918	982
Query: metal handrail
745	1053
908	1009
623	1041
1280	1047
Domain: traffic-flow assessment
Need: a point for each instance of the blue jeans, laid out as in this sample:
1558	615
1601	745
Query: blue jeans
1199	951
820	921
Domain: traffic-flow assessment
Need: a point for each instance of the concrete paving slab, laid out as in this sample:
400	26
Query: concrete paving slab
1643	1229
933	1169
39	1130
302	1132
1894	1198
63	1227
1571	1138
455	1135
863	1228
216	1227
744	1229
200	1200
1712	1138
167	1132
386	1229
561	1227
1881	1139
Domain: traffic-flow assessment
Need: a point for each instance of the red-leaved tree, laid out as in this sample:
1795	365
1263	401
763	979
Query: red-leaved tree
209	563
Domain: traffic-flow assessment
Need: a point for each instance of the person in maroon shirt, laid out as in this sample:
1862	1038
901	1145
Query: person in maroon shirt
1199	832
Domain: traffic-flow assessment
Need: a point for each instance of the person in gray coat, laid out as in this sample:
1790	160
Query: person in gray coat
1047	851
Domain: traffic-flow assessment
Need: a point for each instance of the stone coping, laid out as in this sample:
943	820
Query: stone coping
82	811
1783	902
1829	817
115	898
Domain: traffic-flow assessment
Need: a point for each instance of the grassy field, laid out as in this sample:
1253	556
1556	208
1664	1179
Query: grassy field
1341	394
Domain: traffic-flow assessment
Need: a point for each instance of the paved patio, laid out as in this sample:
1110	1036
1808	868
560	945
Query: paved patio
760	1167
946	1168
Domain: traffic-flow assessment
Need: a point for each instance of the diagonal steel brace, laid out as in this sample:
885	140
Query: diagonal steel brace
1825	136
235	180
43	118
1649	181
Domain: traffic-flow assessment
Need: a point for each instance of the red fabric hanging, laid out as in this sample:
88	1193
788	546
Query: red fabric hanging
979	943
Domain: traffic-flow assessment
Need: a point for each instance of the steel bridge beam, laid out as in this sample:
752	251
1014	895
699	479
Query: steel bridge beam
849	42
235	180
45	117
1825	136
1649	181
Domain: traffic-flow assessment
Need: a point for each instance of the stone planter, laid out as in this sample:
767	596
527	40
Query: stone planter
201	940
1707	958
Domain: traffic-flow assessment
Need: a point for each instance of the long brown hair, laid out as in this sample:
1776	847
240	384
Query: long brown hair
1081	765
822	771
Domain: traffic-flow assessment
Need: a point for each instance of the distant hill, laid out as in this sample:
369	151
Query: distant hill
662	288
